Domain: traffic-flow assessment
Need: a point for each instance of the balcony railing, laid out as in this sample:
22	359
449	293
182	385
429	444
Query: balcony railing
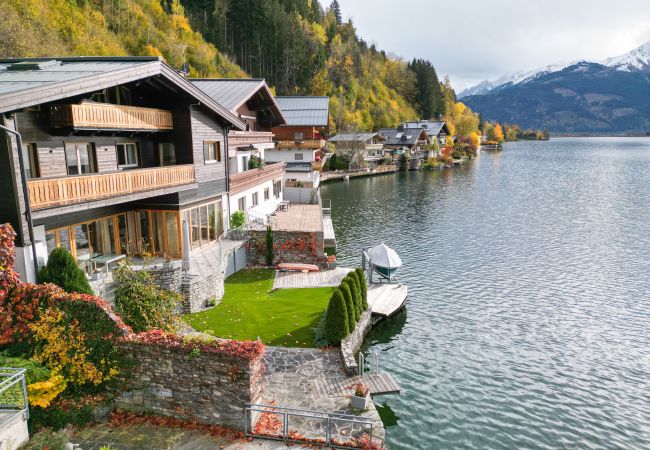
48	193
104	116
307	143
244	138
239	182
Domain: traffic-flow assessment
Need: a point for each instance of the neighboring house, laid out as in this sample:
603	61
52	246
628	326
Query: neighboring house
402	138
434	128
122	156
299	143
361	149
255	190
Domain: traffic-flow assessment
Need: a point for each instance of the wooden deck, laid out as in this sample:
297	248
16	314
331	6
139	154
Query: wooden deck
386	299
325	278
379	384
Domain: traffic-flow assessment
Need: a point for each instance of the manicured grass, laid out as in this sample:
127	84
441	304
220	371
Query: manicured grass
250	309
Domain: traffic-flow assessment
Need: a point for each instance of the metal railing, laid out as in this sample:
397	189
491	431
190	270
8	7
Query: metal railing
13	393
363	362
282	432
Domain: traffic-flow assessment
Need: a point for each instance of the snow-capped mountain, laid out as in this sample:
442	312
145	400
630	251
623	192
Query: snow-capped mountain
637	59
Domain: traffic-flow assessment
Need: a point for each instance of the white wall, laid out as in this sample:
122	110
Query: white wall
288	155
264	207
14	433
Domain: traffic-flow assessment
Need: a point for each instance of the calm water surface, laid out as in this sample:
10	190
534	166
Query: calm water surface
528	322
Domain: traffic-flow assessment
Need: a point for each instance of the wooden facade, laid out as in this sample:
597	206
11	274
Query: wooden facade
242	181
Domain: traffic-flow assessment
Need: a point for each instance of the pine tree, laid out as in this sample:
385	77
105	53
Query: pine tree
364	288
349	304
336	318
336	8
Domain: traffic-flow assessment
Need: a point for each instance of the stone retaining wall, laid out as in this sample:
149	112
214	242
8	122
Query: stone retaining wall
353	342
190	384
288	246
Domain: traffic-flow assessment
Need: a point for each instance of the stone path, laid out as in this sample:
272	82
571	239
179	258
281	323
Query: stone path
324	278
289	382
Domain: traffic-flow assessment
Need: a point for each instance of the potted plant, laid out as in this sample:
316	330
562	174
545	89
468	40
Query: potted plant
361	397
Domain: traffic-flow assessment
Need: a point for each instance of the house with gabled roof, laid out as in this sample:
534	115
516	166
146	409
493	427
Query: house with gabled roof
111	157
255	185
435	129
361	149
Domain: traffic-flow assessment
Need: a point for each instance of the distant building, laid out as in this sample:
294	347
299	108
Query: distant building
299	144
358	148
434	128
255	190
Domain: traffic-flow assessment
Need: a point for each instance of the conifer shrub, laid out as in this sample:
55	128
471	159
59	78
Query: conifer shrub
336	318
349	304
355	277
62	270
356	298
364	288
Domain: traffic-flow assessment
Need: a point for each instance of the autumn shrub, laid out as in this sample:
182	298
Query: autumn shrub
364	288
62	270
349	305
8	276
336	318
42	387
141	303
47	440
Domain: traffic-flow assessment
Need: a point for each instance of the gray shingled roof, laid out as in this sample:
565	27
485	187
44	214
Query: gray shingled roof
433	127
352	137
31	81
305	110
232	93
406	137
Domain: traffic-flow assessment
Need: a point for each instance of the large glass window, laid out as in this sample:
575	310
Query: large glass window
219	216
144	246
173	239
123	234
127	155
82	246
80	158
205	235
195	225
158	224
212	223
30	158
167	154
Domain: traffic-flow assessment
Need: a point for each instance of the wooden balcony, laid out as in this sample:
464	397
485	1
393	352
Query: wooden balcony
315	144
242	181
49	193
245	138
104	116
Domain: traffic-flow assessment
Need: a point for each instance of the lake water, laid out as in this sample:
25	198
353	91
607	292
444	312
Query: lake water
528	318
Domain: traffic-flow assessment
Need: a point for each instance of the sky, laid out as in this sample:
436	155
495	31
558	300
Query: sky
474	40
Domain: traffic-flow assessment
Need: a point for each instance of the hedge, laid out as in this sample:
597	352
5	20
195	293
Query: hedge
364	288
349	304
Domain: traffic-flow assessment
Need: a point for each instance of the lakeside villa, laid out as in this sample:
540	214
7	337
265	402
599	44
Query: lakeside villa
122	161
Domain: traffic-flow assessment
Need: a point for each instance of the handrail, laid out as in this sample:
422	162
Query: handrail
13	377
109	116
365	422
51	192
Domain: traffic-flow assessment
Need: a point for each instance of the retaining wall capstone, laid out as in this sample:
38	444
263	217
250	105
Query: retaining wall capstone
188	383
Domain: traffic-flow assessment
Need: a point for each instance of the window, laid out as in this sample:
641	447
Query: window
255	198
30	158
127	155
298	136
277	188
205	223
241	204
80	159
212	223
211	152
205	234
195	234
166	154
267	194
298	156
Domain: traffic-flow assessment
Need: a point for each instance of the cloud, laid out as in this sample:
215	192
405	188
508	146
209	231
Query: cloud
473	40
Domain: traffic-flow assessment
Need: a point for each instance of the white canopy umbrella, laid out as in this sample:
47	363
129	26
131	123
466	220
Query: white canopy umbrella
383	256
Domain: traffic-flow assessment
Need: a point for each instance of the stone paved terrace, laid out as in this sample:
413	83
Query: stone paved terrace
292	380
303	218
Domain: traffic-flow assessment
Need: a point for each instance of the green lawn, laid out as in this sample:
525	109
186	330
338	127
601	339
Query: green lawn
250	309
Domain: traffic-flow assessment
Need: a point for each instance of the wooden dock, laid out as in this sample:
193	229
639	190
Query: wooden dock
378	383
386	299
324	278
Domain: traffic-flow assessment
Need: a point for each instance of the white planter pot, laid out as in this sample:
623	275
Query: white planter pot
360	402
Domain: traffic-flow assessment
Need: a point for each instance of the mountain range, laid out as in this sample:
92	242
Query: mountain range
581	97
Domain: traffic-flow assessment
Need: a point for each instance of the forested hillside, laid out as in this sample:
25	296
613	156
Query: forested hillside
299	46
